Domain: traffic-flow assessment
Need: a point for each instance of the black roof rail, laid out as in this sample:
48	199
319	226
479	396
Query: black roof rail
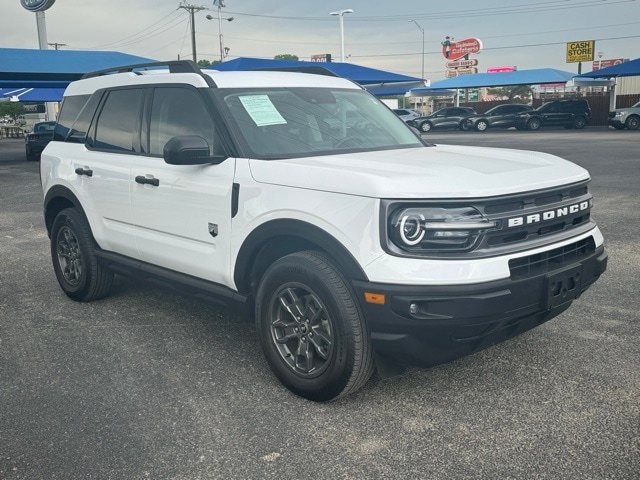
175	66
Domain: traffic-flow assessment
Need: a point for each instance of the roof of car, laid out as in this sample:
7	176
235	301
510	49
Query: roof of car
252	79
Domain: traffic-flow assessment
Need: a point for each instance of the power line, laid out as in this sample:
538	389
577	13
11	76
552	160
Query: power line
491	11
439	52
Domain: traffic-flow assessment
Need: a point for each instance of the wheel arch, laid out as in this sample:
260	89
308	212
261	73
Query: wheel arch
277	238
57	199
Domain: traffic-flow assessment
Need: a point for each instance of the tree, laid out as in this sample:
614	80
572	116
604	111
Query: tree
286	56
204	63
515	93
11	109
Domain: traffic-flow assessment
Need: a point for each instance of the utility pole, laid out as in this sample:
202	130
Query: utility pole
192	9
55	45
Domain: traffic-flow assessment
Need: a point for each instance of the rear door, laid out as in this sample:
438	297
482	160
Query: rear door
102	169
182	213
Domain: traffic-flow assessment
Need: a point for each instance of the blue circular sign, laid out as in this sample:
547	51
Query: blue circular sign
37	5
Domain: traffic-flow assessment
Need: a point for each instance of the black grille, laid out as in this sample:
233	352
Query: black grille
552	259
553	200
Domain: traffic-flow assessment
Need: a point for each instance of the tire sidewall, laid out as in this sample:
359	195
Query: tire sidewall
69	218
425	127
579	123
332	381
482	125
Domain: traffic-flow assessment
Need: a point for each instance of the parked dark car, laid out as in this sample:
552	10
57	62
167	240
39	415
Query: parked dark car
449	117
502	116
38	139
566	113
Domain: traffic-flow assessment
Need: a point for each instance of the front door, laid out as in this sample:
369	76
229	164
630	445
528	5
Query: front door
182	213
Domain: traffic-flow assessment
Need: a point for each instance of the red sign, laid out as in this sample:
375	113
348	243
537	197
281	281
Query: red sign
600	64
455	50
462	63
501	69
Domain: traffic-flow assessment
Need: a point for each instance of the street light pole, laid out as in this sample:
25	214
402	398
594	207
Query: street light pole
422	31
223	50
340	14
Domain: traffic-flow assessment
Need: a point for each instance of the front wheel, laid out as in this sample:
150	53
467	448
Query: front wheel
75	264
533	124
311	327
632	123
425	126
464	126
482	125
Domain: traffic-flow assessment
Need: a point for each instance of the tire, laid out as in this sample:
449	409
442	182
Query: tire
307	310
31	157
632	122
534	124
619	127
464	126
75	264
425	126
579	123
482	125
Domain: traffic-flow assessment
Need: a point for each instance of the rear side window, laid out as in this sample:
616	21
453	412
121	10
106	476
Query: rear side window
69	111
117	124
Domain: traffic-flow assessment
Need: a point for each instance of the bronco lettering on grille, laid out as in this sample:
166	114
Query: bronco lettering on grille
548	215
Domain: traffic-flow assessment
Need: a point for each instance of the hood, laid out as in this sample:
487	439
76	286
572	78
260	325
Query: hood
443	171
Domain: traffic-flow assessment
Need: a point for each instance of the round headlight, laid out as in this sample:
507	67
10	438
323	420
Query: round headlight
411	231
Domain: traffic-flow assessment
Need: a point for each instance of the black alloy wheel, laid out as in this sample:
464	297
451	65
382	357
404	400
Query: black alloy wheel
75	264
311	327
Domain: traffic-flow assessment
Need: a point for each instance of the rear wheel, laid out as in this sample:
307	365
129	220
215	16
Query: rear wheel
482	125
534	124
464	126
311	327
579	123
633	122
74	261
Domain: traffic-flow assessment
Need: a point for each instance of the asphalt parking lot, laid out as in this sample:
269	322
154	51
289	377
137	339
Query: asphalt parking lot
150	384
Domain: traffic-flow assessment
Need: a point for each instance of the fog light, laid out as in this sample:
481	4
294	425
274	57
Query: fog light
414	308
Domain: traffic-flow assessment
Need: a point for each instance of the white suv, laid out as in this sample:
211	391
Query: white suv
355	244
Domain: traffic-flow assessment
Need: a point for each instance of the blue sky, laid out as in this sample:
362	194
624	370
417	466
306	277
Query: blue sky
378	34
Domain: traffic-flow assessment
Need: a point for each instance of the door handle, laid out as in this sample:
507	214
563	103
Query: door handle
142	180
84	171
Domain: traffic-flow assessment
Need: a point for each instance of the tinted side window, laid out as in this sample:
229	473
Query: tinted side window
118	120
80	127
178	111
69	111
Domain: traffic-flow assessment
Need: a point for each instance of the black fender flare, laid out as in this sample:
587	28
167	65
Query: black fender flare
288	228
64	198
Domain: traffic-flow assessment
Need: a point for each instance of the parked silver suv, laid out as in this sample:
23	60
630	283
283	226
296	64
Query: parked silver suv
628	117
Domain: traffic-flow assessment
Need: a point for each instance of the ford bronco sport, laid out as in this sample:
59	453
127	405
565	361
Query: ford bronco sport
354	244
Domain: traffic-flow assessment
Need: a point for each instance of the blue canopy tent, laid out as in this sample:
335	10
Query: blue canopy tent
378	82
626	69
538	76
30	68
31	94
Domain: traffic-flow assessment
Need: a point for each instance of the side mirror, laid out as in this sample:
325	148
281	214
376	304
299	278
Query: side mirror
189	150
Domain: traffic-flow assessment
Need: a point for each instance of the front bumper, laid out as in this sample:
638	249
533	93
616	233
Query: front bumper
430	325
616	122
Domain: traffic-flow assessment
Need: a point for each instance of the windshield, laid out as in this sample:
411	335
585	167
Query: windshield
636	105
297	122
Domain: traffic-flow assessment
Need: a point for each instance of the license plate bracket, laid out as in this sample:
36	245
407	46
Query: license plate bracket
563	286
